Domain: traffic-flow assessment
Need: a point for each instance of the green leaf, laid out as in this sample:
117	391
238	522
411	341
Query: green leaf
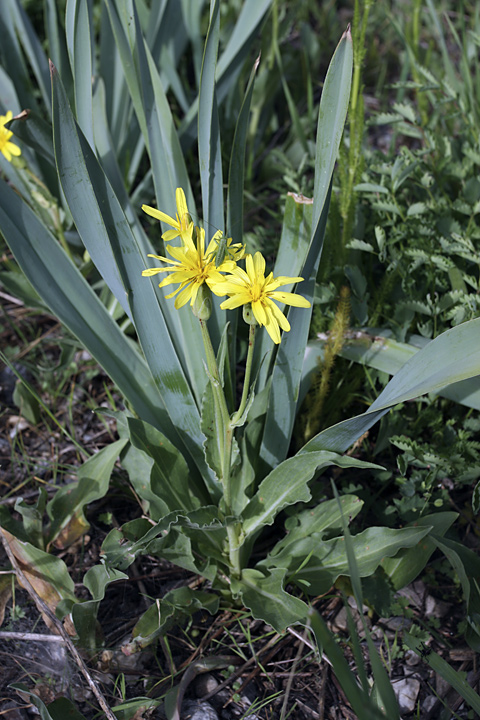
408	564
454	678
59	709
301	525
68	295
209	149
47	573
290	354
121	547
236	169
105	231
84	614
27	403
32	518
266	599
467	566
450	358
169	476
172	609
66	507
361	703
78	31
329	559
288	484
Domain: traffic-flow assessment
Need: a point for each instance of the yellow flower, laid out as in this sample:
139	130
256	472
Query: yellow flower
182	224
7	148
191	267
252	287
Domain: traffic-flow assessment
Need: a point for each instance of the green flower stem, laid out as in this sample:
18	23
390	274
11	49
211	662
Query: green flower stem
248	371
221	411
226	437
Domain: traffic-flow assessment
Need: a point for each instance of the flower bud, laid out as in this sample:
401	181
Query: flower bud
202	306
248	315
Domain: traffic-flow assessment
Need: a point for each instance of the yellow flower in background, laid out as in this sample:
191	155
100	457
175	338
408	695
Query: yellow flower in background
191	267
7	148
182	224
250	286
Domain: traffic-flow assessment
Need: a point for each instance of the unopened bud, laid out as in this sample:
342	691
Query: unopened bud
202	306
248	315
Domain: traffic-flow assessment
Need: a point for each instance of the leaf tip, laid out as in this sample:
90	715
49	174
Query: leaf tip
52	67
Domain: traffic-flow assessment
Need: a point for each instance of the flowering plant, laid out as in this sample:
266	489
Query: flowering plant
211	467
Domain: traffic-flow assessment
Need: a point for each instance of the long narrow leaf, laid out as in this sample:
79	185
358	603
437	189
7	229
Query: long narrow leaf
78	28
106	233
71	299
452	357
290	355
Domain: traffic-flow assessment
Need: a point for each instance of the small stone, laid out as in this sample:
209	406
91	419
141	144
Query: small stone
406	691
194	710
205	684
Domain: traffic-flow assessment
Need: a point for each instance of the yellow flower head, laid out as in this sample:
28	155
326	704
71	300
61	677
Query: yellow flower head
252	287
7	148
191	267
182	224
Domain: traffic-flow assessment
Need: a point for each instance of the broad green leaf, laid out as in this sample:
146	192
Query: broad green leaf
408	564
32	518
384	353
68	521
288	484
121	547
84	614
300	526
266	599
212	429
88	197
174	607
169	478
329	559
70	298
450	358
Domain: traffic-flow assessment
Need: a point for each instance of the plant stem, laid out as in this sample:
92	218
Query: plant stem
226	429
222	415
248	371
